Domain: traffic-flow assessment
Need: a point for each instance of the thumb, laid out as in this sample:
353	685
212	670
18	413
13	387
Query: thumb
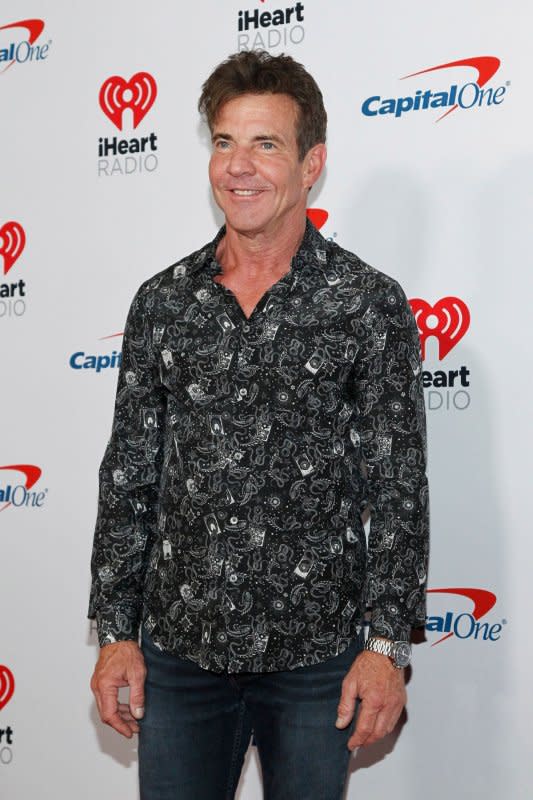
137	697
346	707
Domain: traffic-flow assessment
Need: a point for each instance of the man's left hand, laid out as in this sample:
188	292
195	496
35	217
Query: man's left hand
381	688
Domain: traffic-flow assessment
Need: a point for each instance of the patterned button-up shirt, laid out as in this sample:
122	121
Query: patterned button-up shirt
242	454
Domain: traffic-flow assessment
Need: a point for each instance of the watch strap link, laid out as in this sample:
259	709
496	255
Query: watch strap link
382	646
398	652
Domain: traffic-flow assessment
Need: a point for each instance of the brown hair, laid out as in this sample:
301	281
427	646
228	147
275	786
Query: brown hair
258	72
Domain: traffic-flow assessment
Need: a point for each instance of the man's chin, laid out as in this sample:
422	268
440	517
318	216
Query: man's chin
246	226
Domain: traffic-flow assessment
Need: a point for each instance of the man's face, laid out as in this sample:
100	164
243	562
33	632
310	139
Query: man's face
256	176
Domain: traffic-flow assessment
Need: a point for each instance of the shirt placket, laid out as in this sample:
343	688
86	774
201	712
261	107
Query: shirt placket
247	333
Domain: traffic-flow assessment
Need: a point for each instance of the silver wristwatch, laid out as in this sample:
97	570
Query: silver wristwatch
398	652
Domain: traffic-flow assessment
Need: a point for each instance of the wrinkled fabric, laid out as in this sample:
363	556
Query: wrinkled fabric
242	454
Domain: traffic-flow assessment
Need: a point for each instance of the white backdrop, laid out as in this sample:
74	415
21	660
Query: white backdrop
444	206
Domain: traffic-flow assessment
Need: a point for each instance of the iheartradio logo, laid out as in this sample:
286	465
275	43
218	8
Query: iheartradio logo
448	320
7	685
138	94
12	243
318	216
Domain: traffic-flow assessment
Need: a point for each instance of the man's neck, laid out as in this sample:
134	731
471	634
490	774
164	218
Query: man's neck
259	254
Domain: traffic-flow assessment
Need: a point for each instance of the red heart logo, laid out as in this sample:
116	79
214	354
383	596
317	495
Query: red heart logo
12	243
138	93
318	216
448	320
7	685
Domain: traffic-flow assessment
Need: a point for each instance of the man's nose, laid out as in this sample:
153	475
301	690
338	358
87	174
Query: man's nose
241	162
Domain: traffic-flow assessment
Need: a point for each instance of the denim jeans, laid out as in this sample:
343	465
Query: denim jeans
197	728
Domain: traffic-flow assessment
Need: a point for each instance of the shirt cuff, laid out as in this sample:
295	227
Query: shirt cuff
389	625
115	625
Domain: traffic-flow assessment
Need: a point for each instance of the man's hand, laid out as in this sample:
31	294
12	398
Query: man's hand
120	664
381	688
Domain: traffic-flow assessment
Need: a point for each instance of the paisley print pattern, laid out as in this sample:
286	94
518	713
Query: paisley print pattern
242	454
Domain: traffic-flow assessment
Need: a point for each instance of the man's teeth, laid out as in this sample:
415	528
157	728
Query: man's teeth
245	192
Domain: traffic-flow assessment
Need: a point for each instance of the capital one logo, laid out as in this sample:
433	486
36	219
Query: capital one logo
21	494
12	243
469	95
138	94
466	624
7	685
26	50
448	320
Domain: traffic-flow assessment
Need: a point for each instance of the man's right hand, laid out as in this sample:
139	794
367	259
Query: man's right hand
120	664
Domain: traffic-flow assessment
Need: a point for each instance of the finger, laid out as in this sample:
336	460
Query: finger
98	700
364	728
382	728
109	712
125	714
346	707
117	723
136	680
386	721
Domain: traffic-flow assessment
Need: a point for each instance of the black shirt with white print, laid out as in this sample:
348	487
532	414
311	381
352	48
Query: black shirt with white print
242	454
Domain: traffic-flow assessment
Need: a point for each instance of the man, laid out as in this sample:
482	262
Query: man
270	390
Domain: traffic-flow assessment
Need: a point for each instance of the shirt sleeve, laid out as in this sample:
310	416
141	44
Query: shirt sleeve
128	486
392	425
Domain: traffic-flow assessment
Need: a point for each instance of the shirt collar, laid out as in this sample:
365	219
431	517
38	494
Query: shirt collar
313	250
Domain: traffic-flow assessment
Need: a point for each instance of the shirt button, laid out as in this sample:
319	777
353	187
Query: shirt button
246	328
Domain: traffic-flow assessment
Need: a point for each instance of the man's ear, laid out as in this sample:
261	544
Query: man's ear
314	162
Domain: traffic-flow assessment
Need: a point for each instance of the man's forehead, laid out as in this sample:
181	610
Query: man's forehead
277	107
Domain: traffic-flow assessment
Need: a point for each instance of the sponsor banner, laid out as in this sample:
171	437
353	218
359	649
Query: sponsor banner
449	97
467	617
22	43
318	216
17	494
7	685
12	291
7	689
127	155
97	362
447	320
272	28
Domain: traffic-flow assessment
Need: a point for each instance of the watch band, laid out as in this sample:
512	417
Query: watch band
381	646
398	652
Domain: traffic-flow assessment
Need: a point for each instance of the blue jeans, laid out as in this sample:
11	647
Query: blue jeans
198	724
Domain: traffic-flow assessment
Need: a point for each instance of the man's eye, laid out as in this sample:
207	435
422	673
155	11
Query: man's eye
267	145
221	144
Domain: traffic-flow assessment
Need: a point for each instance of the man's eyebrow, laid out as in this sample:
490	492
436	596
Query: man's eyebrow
270	137
261	137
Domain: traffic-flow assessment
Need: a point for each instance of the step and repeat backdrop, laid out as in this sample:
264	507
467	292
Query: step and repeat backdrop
103	171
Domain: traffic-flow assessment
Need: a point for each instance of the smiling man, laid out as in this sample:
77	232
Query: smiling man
270	391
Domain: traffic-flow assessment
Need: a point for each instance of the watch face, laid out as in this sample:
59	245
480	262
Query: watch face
402	654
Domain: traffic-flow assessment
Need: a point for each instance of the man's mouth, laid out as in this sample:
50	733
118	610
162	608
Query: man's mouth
245	192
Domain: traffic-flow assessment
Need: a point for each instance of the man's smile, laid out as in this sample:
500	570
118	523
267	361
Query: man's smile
246	194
